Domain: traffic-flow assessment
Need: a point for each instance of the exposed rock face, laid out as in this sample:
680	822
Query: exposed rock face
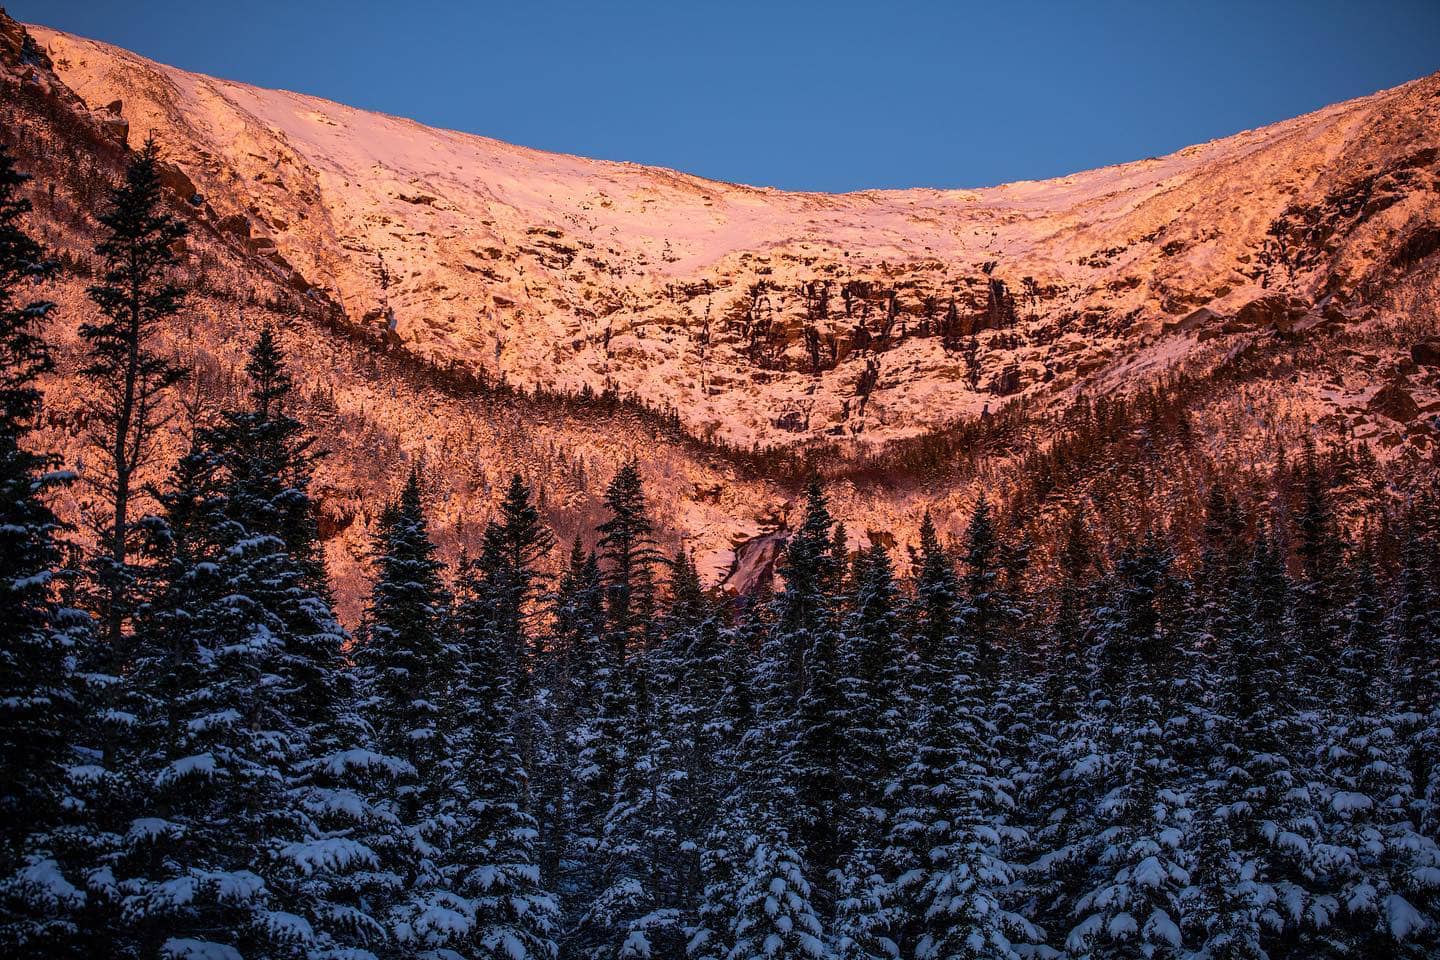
1395	402
1274	310
1426	353
1200	319
575	274
174	179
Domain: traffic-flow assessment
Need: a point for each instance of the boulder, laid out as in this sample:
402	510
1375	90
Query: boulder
175	180
116	130
1395	402
1426	352
1194	320
235	224
1272	310
881	538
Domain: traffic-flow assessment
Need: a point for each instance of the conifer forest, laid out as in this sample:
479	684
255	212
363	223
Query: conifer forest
1215	740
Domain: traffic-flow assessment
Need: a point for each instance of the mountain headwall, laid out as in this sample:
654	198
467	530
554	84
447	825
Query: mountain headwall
485	307
774	317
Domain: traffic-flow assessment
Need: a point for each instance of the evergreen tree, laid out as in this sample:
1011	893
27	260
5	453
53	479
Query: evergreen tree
1318	546
934	607
1133	904
38	641
771	906
693	669
874	685
129	374
268	461
644	906
1414	639
491	901
871	730
987	608
1370	855
758	897
952	889
221	849
627	546
579	625
516	543
1414	624
406	669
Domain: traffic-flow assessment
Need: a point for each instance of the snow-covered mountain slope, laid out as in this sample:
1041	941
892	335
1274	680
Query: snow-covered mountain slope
764	316
1290	273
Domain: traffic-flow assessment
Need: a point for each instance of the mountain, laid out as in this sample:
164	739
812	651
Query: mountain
489	307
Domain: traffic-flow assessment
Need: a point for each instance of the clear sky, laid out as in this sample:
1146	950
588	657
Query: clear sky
834	95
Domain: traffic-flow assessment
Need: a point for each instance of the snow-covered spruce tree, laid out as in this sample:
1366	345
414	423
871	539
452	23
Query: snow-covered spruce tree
491	866
645	904
268	460
736	763
611	894
643	851
584	675
1374	866
931	610
758	897
773	915
924	786
208	742
811	734
127	371
875	685
812	568
406	666
1318	546
515	544
1063	754
987	609
1255	813
509	586
1222	565
577	632
1413	629
600	754
336	778
873	724
570	684
802	703
950	887
1414	622
698	655
1132	906
221	852
691	668
994	612
38	641
629	558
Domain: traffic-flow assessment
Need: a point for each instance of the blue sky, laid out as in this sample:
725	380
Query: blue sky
823	96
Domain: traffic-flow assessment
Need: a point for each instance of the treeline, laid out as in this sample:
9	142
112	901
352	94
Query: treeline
944	755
